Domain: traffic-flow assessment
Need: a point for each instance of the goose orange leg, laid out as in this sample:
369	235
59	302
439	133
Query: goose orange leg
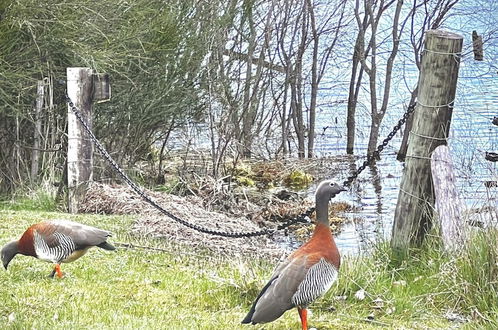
57	269
303	314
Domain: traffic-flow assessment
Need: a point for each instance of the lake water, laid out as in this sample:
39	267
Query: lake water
471	135
375	194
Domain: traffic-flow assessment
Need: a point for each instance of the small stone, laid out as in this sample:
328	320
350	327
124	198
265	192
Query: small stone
12	317
454	317
378	303
360	294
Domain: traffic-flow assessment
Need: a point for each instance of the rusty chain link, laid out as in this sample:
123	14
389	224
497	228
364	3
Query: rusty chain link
301	218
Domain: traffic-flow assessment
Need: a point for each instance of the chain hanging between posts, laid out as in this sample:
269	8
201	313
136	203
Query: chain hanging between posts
301	218
374	155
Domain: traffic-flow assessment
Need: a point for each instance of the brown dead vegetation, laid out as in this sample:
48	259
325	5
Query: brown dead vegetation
224	204
122	200
241	214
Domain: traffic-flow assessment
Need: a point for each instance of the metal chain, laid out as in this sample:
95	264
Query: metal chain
374	155
301	218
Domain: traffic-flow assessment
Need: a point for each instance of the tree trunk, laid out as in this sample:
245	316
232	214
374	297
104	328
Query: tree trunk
374	134
352	99
314	83
297	113
160	175
408	127
355	82
298	79
247	107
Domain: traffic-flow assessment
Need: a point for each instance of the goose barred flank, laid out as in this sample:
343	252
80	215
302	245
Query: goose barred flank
317	282
56	254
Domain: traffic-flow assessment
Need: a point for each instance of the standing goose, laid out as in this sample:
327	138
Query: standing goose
56	241
306	274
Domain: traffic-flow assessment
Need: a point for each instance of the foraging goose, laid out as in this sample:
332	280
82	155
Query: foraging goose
56	241
306	274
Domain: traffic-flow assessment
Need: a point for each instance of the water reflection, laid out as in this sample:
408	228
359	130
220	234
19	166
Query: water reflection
375	192
374	198
374	195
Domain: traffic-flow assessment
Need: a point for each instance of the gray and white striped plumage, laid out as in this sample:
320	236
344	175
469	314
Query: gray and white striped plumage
56	241
315	284
57	253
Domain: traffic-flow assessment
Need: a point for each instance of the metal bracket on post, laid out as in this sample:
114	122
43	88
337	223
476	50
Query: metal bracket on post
101	88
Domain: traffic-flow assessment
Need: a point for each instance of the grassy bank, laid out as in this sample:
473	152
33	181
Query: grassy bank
181	289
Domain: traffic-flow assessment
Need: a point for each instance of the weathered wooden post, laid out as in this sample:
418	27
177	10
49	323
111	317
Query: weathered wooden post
35	153
83	88
80	147
477	46
431	123
448	204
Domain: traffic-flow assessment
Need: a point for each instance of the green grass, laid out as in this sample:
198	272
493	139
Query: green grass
41	199
184	289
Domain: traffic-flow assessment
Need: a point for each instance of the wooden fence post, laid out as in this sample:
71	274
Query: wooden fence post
448	205
431	123
80	147
35	153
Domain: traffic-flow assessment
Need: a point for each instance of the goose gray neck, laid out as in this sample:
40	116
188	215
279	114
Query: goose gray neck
8	252
325	191
322	208
322	198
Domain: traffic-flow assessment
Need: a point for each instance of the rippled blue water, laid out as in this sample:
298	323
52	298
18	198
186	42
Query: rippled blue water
471	135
